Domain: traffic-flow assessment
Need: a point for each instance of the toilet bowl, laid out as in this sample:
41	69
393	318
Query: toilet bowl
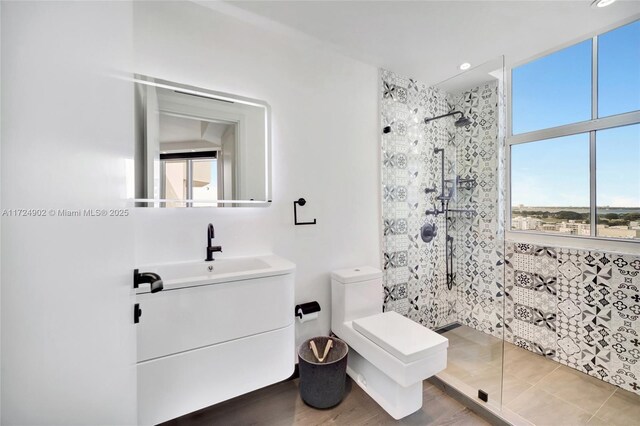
390	355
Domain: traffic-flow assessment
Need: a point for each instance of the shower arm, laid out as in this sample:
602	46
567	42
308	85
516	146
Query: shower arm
428	119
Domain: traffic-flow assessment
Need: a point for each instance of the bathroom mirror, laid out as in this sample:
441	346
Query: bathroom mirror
196	147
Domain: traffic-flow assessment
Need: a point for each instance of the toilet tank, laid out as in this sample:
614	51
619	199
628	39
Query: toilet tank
355	293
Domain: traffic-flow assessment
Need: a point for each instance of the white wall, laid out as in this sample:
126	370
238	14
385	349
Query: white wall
68	342
0	221
325	146
68	339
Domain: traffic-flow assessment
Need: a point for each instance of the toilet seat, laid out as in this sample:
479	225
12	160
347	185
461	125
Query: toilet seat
403	338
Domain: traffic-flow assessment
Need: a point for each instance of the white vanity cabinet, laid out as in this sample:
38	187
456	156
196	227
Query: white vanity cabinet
213	335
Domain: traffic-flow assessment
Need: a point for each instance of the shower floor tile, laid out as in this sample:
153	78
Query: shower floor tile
539	390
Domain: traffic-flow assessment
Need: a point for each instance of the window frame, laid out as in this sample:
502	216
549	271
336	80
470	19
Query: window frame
188	158
591	127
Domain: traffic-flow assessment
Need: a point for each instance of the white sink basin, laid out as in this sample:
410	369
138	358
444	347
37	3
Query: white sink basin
197	273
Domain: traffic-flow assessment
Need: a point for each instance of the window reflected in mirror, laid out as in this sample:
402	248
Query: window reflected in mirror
199	148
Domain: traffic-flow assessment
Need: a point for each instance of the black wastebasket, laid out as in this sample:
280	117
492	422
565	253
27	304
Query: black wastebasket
322	383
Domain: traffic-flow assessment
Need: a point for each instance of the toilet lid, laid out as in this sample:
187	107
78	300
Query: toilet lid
405	339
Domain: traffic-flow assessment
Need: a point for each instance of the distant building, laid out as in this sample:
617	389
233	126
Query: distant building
618	231
574	228
525	223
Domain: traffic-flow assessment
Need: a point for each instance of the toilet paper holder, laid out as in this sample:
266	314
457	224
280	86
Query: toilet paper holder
307	311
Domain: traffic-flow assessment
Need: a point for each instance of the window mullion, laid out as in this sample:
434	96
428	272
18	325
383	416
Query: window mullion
594	78
189	182
592	184
592	139
576	128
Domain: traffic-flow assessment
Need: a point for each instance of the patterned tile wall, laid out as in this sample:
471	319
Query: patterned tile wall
414	278
479	238
414	271
578	307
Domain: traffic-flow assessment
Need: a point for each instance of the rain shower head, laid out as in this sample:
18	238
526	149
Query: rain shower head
460	122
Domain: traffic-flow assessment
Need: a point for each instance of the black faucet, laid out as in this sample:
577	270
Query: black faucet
211	249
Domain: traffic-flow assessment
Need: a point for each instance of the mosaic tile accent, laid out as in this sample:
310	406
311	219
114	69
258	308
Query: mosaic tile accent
589	299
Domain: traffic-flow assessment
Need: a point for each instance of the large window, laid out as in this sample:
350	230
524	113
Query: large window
553	90
575	139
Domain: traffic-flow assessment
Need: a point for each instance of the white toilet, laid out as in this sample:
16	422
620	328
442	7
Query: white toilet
389	355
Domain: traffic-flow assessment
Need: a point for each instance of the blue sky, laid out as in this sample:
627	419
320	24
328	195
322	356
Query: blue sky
556	90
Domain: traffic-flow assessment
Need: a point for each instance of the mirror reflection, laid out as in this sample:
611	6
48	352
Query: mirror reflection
197	147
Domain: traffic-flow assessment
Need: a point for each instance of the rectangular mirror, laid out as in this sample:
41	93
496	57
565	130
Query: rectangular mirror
200	148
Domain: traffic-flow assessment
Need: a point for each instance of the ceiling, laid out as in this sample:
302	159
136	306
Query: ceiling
185	133
429	39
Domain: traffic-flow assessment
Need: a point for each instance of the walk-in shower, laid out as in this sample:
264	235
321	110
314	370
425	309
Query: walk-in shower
540	333
443	240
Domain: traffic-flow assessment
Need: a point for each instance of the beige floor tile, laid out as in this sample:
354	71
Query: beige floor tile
578	388
501	389
526	365
623	408
513	387
491	381
479	365
595	421
544	409
472	356
459	371
472	335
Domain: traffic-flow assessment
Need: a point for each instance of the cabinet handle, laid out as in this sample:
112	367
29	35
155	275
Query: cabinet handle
137	313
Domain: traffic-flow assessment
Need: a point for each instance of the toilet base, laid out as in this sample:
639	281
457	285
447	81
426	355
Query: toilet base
397	400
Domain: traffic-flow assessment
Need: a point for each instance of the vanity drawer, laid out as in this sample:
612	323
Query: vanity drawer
179	320
172	386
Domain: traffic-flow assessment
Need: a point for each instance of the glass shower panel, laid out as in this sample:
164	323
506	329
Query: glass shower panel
474	218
